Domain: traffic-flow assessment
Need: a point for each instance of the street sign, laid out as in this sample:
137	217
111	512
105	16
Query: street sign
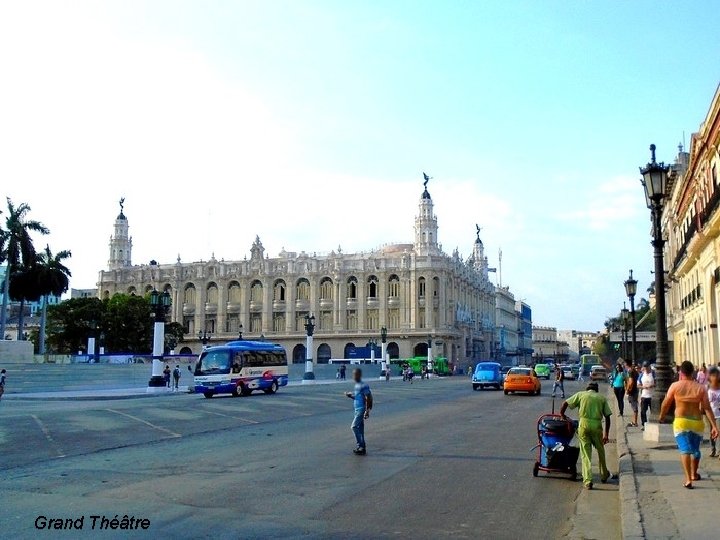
616	337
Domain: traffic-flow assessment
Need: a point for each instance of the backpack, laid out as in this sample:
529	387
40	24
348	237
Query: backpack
176	373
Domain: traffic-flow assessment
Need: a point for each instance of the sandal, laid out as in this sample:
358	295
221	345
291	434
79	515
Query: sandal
697	477
688	485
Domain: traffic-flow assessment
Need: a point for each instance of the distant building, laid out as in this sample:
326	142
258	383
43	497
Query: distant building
548	344
507	325
83	293
579	341
418	292
525	332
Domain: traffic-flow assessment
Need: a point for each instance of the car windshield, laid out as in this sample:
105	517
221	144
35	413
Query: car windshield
519	371
213	362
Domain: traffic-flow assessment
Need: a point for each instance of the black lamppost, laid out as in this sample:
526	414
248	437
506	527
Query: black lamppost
204	337
631	290
624	316
309	375
240	330
654	181
160	305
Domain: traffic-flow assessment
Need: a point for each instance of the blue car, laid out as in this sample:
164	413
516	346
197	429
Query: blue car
487	374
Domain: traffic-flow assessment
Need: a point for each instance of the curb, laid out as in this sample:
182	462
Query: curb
630	517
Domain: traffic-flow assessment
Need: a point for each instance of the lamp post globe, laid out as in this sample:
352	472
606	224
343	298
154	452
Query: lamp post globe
654	181
160	306
309	374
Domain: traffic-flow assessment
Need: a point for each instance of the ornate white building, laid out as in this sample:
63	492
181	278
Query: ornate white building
418	292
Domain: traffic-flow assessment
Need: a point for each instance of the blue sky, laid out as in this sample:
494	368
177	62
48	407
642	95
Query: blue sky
310	124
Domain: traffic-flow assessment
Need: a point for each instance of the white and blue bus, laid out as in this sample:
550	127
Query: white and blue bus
240	367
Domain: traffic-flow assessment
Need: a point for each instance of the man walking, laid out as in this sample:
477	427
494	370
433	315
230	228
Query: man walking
362	404
559	381
176	378
646	382
593	407
632	391
2	382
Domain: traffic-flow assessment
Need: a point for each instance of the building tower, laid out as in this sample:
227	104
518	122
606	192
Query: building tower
120	242
426	226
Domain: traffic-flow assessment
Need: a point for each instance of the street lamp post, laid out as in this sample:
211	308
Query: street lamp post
383	351
624	315
631	290
240	330
309	375
160	305
204	338
654	180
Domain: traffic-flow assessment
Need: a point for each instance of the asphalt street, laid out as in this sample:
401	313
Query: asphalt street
442	461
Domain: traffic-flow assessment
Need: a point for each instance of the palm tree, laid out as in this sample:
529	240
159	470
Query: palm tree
52	279
19	251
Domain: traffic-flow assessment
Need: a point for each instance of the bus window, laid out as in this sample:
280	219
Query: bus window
212	362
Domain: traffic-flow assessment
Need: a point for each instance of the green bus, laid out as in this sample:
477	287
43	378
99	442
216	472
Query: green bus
587	361
416	363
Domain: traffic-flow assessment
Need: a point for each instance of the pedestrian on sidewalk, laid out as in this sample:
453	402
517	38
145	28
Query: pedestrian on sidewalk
3	376
593	407
691	403
702	376
618	384
166	376
559	381
632	391
176	377
714	399
646	383
362	404
343	370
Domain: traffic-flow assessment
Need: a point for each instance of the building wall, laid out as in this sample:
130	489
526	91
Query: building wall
691	224
415	290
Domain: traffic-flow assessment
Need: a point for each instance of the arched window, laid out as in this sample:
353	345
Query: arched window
168	289
132	291
394	286
279	291
234	292
326	289
303	289
324	353
189	296
256	291
349	347
393	350
149	288
421	287
352	288
212	293
372	287
298	356
436	286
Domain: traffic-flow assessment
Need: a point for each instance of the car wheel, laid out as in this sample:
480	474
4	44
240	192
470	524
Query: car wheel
536	469
538	391
208	395
506	392
273	388
475	386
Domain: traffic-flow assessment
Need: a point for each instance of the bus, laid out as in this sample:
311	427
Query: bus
587	361
240	367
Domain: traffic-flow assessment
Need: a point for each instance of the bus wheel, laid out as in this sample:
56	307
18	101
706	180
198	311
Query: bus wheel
208	394
235	392
273	388
245	391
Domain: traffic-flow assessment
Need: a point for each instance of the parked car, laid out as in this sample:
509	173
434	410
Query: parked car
542	371
522	380
487	374
598	373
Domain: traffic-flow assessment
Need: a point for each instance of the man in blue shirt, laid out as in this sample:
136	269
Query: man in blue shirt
362	402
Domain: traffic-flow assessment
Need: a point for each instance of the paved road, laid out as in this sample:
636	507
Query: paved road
443	461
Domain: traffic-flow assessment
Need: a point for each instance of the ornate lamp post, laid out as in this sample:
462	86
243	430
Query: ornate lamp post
383	351
160	305
240	330
631	290
309	375
204	338
624	315
654	180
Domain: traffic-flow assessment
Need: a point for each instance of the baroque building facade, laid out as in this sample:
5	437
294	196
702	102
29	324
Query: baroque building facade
423	296
691	226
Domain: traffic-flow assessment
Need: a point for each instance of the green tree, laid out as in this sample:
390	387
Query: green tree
127	325
174	334
71	322
53	278
18	252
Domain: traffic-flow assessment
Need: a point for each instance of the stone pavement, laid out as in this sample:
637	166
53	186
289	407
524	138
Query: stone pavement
654	503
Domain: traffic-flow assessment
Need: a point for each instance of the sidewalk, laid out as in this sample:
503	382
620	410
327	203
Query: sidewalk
654	503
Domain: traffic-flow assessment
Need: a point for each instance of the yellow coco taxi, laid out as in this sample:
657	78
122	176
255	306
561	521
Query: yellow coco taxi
522	380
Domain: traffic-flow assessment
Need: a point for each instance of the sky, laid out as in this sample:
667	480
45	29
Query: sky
310	123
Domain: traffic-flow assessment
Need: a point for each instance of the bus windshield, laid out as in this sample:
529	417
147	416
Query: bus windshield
213	363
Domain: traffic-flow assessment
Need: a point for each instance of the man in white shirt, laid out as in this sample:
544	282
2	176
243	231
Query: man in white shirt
646	383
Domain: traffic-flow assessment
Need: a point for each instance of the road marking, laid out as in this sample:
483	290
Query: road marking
229	416
159	428
49	437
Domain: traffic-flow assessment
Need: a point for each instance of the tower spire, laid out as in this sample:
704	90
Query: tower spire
426	224
120	241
